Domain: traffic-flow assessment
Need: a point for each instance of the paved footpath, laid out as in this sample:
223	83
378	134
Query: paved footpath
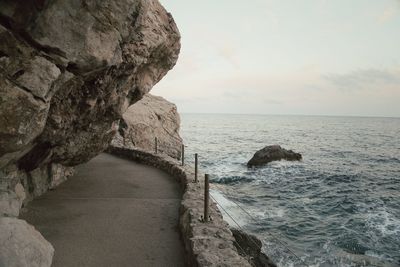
112	212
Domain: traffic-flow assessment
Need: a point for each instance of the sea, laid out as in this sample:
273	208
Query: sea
339	206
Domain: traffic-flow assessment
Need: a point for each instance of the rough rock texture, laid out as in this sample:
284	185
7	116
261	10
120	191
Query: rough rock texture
22	245
250	246
206	244
152	117
18	186
68	71
11	201
272	153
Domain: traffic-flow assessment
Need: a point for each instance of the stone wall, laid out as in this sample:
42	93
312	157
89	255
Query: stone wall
206	244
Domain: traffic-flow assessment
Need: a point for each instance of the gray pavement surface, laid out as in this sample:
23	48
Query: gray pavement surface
112	212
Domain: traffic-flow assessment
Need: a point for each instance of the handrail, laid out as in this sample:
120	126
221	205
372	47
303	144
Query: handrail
282	243
159	150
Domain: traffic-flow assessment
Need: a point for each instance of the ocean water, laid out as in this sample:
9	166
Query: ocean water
339	206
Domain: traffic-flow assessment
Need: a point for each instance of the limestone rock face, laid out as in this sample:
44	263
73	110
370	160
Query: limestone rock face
151	117
22	245
272	153
69	70
9	204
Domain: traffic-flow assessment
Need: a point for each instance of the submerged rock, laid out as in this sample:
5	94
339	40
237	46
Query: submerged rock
272	153
152	117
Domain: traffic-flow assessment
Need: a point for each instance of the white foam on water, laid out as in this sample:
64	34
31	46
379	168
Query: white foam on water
273	212
384	222
361	260
306	200
374	254
237	216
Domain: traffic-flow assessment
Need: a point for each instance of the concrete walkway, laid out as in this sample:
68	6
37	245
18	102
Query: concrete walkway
113	212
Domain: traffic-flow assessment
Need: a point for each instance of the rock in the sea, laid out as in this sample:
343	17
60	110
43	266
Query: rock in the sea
150	118
21	245
272	153
250	246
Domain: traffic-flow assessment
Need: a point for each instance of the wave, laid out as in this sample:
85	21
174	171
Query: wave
387	160
233	180
383	223
341	178
345	190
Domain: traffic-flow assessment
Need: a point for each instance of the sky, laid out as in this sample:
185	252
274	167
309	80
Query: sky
305	57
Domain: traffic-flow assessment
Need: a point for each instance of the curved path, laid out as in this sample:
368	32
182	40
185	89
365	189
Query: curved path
112	212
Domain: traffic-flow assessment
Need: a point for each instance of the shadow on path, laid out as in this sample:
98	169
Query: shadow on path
112	212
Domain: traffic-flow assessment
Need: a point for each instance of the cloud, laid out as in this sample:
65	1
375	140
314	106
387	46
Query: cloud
364	79
249	97
228	53
389	13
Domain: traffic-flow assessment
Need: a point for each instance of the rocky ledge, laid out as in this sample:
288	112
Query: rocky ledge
272	153
151	117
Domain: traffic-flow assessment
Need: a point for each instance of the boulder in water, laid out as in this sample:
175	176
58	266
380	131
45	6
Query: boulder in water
272	153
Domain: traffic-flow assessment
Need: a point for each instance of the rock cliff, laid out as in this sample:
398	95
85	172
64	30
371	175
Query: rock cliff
68	71
152	117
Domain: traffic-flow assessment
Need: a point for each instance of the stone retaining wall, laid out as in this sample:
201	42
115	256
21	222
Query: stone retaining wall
206	244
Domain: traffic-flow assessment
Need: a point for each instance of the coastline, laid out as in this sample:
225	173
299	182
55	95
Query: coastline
206	244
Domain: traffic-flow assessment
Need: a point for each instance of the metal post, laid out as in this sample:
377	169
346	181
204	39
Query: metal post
156	145
206	197
183	154
195	168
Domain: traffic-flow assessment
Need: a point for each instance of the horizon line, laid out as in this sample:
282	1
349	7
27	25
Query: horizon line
301	115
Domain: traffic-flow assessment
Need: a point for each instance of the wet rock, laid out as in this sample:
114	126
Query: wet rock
151	117
272	153
250	246
22	245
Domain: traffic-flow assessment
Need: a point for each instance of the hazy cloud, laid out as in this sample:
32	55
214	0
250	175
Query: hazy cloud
249	97
389	13
286	57
364	79
229	54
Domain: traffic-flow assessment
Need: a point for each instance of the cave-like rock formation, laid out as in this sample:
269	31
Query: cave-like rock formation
152	117
68	71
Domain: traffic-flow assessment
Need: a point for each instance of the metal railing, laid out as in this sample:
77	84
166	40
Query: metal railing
206	216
